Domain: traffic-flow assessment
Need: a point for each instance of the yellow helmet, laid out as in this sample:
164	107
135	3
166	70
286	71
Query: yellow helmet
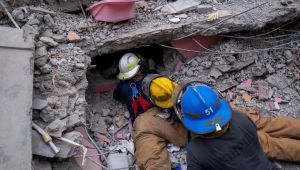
160	90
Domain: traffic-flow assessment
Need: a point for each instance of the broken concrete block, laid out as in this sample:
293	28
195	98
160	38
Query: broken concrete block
280	81
227	85
215	73
73	37
39	104
72	120
41	165
18	14
117	161
48	114
41	61
56	128
58	38
45	69
41	52
105	112
49	20
67	150
39	147
99	125
239	65
180	6
49	41
224	68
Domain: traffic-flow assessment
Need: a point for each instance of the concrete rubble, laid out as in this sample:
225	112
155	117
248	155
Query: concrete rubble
66	42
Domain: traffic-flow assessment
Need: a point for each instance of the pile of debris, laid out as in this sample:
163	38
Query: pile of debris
265	78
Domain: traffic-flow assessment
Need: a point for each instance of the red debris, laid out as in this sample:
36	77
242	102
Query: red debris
89	163
246	83
113	10
191	44
280	100
119	136
107	85
102	138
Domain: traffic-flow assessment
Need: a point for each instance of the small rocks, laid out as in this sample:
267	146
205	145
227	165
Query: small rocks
18	14
49	41
73	37
41	52
206	64
215	73
58	38
45	69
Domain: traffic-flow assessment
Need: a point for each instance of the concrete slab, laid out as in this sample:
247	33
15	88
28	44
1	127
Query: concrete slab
16	75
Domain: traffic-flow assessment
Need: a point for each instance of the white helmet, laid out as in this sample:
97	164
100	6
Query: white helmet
128	66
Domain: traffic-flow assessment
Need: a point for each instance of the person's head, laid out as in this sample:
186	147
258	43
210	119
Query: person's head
131	67
159	89
202	110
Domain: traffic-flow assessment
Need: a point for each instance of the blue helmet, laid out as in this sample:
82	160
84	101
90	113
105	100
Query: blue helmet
202	110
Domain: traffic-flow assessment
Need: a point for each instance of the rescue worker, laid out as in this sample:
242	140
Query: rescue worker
128	90
279	136
222	138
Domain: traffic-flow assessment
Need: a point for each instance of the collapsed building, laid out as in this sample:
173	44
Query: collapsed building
248	49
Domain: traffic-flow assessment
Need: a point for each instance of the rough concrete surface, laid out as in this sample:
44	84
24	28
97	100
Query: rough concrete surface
16	74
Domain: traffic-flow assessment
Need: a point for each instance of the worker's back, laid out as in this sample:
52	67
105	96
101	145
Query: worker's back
238	148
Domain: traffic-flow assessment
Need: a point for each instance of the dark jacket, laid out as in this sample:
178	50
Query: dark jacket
237	149
130	93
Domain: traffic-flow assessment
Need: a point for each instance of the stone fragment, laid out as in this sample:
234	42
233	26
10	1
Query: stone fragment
49	20
56	128
280	81
47	33
49	41
41	52
32	20
189	73
45	69
18	14
105	112
246	97
239	65
67	150
41	61
79	65
39	147
48	114
72	120
41	165
226	85
174	20
270	68
230	59
224	68
288	54
258	72
39	104
73	37
215	73
41	10
58	38
180	6
99	125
